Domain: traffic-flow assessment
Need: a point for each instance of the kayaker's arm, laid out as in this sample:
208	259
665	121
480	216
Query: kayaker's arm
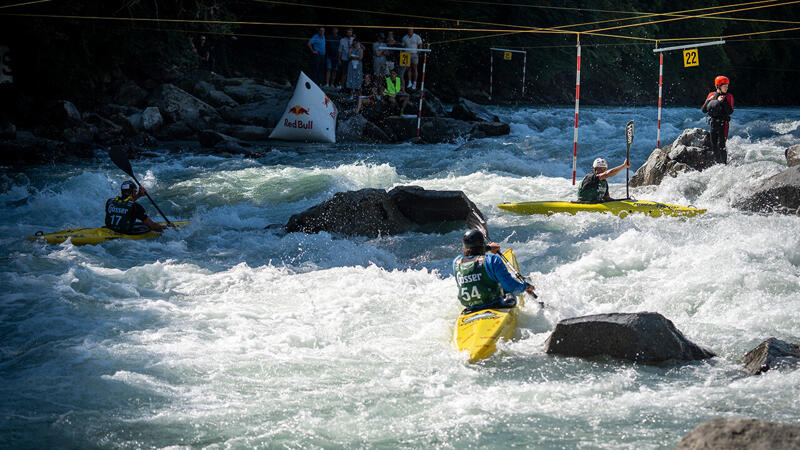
498	272
153	225
611	172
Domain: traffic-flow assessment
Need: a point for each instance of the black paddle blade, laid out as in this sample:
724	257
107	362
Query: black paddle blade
119	156
629	133
475	222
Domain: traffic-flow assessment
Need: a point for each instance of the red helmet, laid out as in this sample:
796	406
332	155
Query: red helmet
720	80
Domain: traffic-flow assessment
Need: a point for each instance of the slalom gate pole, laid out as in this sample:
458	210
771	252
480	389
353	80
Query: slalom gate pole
577	104
491	72
660	84
421	92
524	65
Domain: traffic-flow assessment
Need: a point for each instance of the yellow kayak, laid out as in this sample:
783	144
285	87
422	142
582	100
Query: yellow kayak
479	331
617	207
91	236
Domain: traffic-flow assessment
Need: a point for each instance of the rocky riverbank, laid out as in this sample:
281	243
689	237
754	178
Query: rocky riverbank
222	115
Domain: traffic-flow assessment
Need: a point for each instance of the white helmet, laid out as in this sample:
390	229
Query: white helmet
599	162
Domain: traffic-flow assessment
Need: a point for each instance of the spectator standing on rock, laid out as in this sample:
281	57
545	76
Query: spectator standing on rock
332	56
204	52
344	55
719	106
393	56
394	91
412	41
355	73
317	46
594	187
379	57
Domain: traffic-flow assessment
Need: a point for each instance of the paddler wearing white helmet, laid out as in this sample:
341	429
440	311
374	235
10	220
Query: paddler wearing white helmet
594	187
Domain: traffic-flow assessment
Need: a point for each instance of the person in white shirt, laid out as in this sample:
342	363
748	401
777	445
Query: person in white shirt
344	55
412	41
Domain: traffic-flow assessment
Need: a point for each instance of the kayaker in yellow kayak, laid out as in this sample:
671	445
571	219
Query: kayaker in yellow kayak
483	279
123	212
594	187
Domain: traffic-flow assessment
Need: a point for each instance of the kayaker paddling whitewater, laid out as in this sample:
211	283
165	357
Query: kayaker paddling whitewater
124	215
594	187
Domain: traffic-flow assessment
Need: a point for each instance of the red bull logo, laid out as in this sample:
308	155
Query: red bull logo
326	101
297	110
299	124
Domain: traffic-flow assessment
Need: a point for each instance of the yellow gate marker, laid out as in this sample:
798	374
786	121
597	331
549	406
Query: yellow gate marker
405	59
690	58
507	56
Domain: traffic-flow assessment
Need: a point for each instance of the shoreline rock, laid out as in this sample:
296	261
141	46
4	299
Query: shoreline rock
690	151
736	433
771	354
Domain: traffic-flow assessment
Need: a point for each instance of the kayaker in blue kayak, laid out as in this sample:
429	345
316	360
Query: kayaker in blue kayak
124	215
594	187
483	279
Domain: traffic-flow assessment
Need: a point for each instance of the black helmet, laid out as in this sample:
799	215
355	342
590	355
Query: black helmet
128	186
474	239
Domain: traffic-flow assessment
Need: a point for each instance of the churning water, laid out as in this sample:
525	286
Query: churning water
224	334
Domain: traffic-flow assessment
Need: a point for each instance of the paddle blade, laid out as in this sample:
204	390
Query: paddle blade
629	133
119	156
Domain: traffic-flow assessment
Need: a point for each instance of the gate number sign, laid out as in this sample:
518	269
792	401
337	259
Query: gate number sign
690	58
5	66
507	56
405	59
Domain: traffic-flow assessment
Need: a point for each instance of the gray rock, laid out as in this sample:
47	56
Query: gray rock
130	94
210	138
471	111
793	155
80	135
65	113
245	132
491	129
778	193
732	433
206	92
151	119
356	128
177	105
265	113
771	354
370	212
431	105
644	337
175	132
690	151
106	130
251	92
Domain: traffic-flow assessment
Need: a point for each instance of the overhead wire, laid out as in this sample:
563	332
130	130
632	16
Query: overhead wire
24	4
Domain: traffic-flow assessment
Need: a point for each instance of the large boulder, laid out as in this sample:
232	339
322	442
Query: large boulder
264	113
483	129
250	91
356	128
130	94
734	433
643	337
778	193
690	151
369	212
63	114
793	155
177	105
151	119
245	132
431	105
206	92
471	111
771	354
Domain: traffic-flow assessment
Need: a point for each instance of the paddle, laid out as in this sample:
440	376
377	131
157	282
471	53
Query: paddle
629	141
476	222
120	158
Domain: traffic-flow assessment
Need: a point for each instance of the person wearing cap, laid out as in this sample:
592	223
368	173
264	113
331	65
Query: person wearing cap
719	107
594	187
124	215
483	279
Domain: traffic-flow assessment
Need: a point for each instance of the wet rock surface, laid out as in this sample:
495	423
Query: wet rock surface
771	354
779	193
690	151
733	433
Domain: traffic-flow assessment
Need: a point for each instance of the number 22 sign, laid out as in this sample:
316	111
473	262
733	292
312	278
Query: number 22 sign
690	58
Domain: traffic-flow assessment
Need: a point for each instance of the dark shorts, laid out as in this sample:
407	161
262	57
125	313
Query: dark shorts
332	63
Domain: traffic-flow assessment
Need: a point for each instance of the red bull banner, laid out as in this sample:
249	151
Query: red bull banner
310	115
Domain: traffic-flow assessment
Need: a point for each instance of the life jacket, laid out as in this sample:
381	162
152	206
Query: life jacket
590	191
717	109
119	214
474	285
392	89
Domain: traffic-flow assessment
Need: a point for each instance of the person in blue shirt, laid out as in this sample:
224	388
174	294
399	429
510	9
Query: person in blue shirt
483	280
317	46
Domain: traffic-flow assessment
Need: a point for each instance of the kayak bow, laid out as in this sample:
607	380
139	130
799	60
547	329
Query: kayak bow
617	207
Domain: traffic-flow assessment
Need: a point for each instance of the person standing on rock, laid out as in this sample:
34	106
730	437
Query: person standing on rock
484	280
594	187
317	46
123	212
344	55
379	57
413	42
332	56
719	107
355	73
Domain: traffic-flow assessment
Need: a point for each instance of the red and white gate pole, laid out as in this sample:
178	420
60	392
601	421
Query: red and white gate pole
660	84
524	64
577	104
491	73
421	92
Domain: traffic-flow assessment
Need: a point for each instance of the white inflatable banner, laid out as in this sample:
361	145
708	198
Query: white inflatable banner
310	115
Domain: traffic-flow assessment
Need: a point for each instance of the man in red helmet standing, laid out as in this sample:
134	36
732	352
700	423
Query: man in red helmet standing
719	106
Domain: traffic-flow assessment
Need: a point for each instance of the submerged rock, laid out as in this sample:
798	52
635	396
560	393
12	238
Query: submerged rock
690	151
778	193
793	155
471	111
731	433
370	212
644	337
771	354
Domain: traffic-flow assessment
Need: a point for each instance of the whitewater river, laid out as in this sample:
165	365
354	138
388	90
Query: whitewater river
227	335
